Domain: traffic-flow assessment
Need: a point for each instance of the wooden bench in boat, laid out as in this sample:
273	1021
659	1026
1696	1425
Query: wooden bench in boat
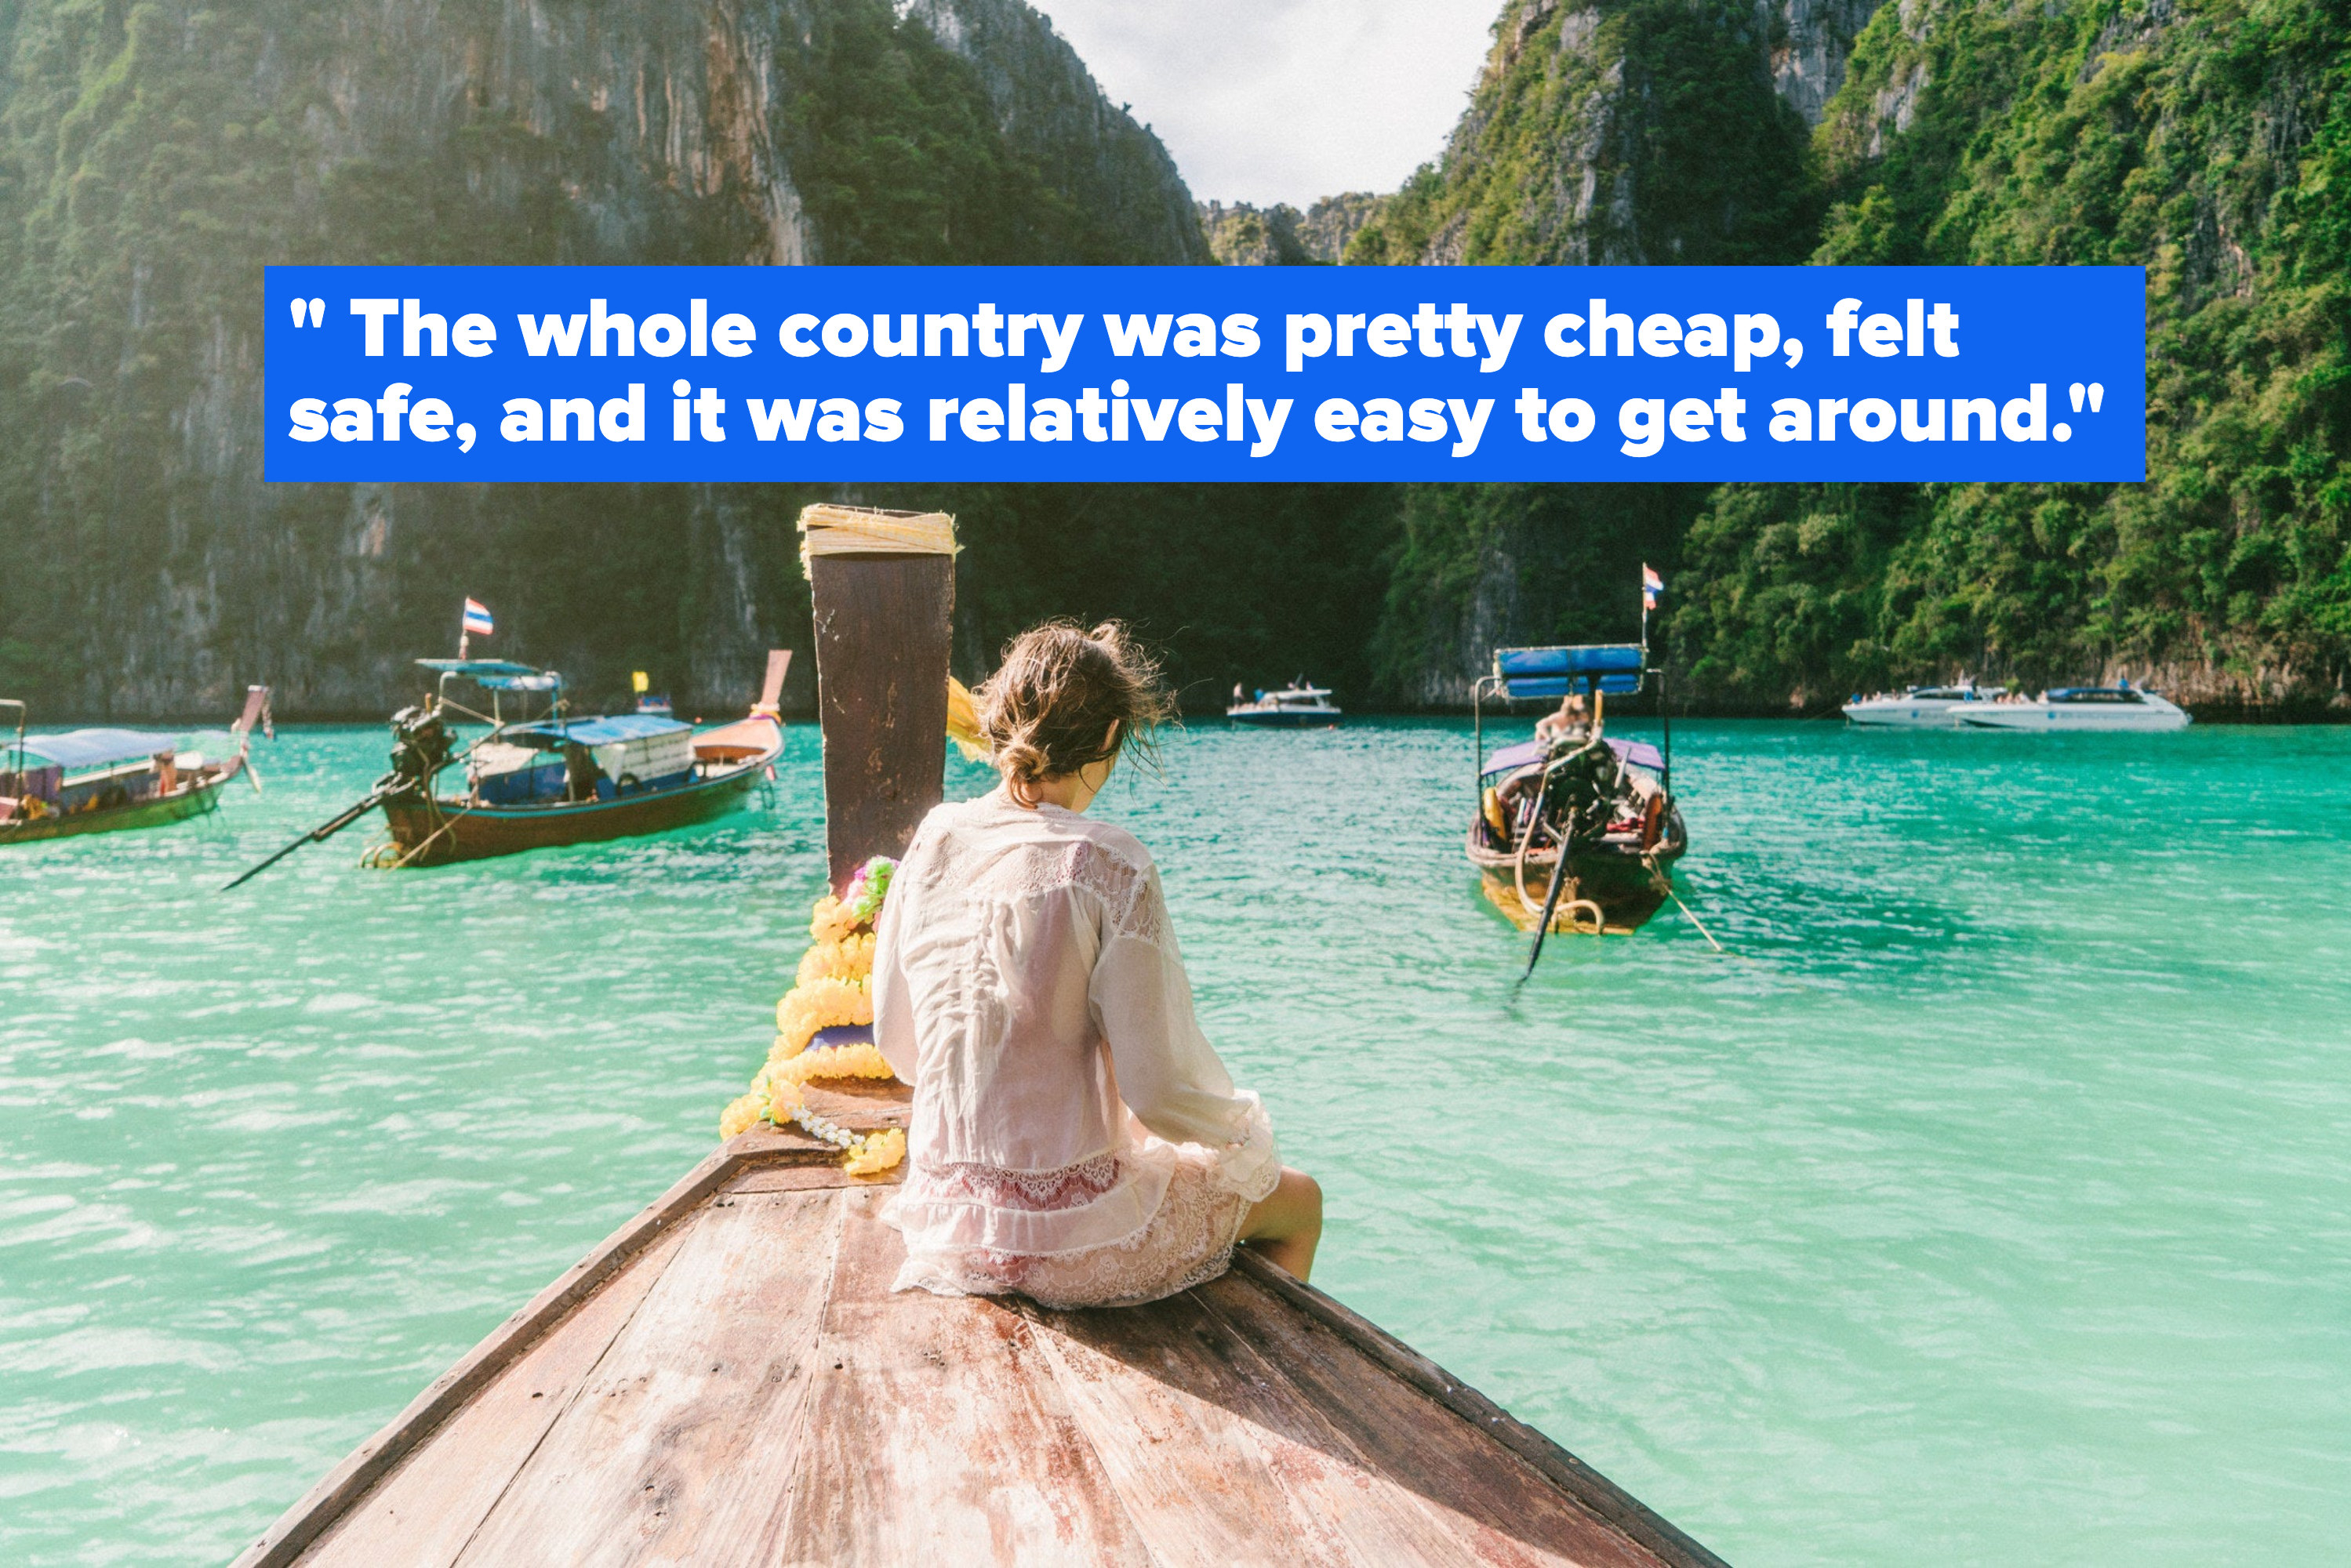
729	1380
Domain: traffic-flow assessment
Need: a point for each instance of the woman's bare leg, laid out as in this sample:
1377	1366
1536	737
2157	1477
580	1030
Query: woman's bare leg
1287	1223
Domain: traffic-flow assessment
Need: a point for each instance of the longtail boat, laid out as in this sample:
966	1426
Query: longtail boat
554	779
534	781
1606	806
729	1378
108	780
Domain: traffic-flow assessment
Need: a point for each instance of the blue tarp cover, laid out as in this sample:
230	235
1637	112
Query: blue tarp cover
1590	658
1511	758
1613	667
498	674
1559	685
96	747
599	731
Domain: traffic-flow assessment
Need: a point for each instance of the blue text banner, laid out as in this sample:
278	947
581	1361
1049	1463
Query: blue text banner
1216	373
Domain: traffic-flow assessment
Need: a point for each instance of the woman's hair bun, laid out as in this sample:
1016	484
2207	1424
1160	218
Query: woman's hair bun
1064	698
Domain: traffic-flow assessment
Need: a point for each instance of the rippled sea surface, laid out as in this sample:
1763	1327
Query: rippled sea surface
1989	1201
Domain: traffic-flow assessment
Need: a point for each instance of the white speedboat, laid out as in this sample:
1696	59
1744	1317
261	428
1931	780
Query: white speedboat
2124	708
1921	708
1295	706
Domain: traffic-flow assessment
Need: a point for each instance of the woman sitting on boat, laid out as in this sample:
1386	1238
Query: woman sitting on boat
1075	1138
1573	721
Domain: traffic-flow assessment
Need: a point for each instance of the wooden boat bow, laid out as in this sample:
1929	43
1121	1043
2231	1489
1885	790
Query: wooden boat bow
728	1378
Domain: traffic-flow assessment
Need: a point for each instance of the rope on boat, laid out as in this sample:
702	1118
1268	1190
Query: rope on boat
828	530
1675	894
447	822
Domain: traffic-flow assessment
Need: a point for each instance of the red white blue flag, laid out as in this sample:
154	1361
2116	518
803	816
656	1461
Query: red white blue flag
478	622
1652	585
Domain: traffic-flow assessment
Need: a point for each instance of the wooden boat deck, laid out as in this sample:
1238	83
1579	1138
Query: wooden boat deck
729	1379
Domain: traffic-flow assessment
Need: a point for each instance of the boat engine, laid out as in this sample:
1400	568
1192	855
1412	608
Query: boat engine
420	746
1583	788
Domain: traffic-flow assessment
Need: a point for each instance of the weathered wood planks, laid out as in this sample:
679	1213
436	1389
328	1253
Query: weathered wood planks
882	625
681	1444
427	1508
936	1437
367	1465
1219	1456
730	1380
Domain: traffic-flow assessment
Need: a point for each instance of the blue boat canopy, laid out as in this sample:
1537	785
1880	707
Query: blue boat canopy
596	731
1612	667
1511	758
97	748
498	674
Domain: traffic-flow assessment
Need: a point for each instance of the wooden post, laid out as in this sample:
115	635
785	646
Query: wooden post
882	628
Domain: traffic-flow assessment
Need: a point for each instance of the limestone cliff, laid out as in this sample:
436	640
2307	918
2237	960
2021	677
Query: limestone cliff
1626	131
1241	234
1611	132
153	159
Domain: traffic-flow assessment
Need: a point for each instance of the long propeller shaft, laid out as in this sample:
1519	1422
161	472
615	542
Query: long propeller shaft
391	784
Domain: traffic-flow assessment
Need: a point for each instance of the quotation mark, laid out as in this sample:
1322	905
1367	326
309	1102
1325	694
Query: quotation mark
2095	394
313	313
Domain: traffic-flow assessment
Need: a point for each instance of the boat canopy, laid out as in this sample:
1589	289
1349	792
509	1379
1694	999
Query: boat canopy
496	674
97	748
595	731
1511	758
1613	667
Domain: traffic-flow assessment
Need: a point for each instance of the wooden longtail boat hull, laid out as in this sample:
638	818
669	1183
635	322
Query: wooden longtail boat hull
193	800
729	1379
445	832
1628	886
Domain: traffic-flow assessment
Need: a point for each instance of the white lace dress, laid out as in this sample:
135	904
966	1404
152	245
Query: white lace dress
1075	1139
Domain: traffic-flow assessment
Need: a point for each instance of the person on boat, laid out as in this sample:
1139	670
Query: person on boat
1572	720
1075	1138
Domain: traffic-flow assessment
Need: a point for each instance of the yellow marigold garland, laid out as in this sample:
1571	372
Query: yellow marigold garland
830	990
826	1003
848	957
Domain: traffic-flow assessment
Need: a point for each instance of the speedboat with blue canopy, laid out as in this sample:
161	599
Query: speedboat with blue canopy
105	780
537	776
1573	805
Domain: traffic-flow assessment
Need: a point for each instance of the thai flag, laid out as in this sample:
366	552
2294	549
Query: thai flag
1652	585
478	621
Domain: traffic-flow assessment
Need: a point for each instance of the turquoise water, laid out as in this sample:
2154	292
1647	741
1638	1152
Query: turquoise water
1989	1201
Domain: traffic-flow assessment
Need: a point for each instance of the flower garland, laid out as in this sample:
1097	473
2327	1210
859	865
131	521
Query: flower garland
831	990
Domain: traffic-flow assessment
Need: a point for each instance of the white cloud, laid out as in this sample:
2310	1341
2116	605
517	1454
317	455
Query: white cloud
1286	100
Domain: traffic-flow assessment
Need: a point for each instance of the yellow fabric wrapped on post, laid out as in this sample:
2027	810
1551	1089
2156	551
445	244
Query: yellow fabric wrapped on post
963	723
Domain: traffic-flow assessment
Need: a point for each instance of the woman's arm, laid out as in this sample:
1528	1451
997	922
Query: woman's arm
1168	1074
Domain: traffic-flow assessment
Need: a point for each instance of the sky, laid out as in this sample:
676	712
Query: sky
1285	100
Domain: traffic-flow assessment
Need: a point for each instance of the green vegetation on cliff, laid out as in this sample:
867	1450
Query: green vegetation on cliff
1622	132
155	155
2208	141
